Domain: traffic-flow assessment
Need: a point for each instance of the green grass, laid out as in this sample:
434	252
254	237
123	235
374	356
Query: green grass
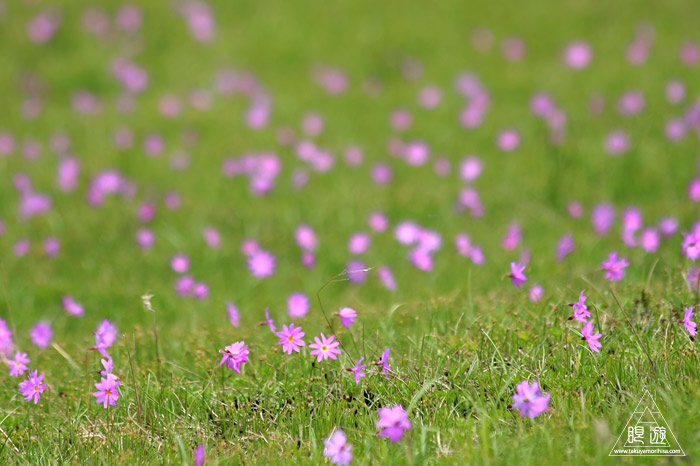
461	337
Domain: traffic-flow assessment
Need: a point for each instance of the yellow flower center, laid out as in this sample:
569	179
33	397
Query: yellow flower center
36	388
324	348
290	339
108	392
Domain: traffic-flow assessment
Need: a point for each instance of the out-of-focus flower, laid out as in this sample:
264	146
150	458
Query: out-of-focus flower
393	423
529	401
41	334
578	55
516	274
337	449
18	366
297	305
614	267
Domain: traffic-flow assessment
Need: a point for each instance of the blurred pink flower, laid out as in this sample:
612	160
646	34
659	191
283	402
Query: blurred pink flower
297	305
261	264
578	55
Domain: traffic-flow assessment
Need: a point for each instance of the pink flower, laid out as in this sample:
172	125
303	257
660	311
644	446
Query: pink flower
517	277
429	97
575	209
43	27
649	239
291	338
19	365
384	362
234	356
401	119
68	171
675	92
353	156
199	456
689	53
41	334
105	336
508	140
565	246
184	285
393	423
529	401
470	168
32	387
261	264
581	312
587	334
52	246
308	260
578	55
128	18
382	173
72	307
233	315
630	103
687	321
614	267
297	305
617	143
387	278
513	49
269	322
512	237
108	390
145	238
602	217
356	271
338	450
378	222
325	348
212	237
691	245
200	20
442	166
542	105
476	255
108	365
347	316
421	259
406	233
312	124
631	219
357	370
180	263
359	243
306	238
172	200
5	339
249	247
200	291
536	293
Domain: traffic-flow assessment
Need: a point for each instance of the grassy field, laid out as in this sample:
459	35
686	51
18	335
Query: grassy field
461	336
